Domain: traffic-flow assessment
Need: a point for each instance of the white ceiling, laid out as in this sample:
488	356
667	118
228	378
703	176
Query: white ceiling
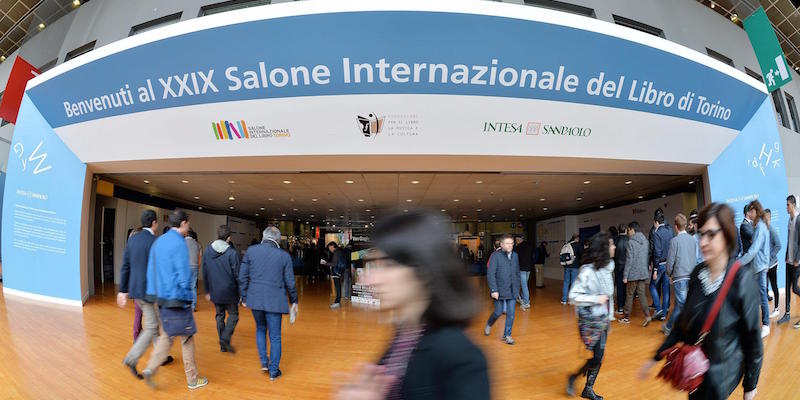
311	196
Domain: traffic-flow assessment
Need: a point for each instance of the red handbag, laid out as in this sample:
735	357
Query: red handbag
687	365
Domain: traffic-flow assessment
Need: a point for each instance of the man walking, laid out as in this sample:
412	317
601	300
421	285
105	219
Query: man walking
504	283
660	282
133	284
221	280
169	284
772	273
194	262
338	267
792	256
266	277
620	258
636	273
680	264
570	258
524	252
539	257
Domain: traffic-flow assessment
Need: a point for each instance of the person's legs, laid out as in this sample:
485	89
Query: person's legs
230	325
681	288
189	363
594	367
261	336
137	320
510	306
524	276
641	288
149	333
621	288
193	270
772	275
539	275
337	283
498	311
762	286
665	287
220	316
654	286
565	286
274	324
630	290
160	352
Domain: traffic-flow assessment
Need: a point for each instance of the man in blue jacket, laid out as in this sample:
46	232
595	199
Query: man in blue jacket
265	278
662	235
133	283
169	283
504	284
221	280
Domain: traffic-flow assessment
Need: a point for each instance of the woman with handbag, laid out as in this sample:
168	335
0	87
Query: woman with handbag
590	294
719	326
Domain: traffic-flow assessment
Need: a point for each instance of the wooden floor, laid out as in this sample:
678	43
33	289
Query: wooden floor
51	352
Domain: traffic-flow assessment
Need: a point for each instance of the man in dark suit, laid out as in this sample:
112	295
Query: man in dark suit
504	284
221	280
266	277
746	229
792	256
524	252
133	283
620	257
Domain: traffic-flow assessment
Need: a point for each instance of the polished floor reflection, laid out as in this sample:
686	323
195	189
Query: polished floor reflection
60	353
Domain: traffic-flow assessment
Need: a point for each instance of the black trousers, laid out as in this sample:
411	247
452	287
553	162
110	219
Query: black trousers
621	287
772	277
225	329
337	281
791	281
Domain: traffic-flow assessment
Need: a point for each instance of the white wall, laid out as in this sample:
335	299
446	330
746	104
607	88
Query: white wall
556	231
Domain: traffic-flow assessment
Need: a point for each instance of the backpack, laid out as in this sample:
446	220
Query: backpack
567	255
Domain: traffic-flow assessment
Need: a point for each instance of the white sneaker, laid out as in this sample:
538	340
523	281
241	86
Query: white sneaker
764	331
775	314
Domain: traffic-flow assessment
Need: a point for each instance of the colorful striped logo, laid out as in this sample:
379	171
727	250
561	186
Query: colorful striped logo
227	130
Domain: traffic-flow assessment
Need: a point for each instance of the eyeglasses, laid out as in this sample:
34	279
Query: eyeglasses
709	234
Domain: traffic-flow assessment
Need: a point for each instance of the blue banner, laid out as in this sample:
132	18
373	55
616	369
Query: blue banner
395	52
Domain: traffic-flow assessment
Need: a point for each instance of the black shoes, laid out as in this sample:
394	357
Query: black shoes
133	371
588	391
276	376
168	361
784	319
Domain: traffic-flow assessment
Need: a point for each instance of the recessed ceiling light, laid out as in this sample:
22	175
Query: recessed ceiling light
341	216
602	207
199	208
414	182
579	198
231	182
258	215
366	226
367	210
349	182
663	195
372	216
197	197
2	58
330	209
294	209
521	215
283	215
443	210
713	5
587	182
513	209
146	182
184	182
231	207
545	208
691	182
231	198
312	215
41	26
287	182
76	3
463	216
409	200
479	182
405	210
628	182
306	222
313	199
360	200
262	208
269	199
493	215
542	199
479	210
641	197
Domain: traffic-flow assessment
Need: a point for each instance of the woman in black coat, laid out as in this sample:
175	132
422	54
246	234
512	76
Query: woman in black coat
733	346
417	277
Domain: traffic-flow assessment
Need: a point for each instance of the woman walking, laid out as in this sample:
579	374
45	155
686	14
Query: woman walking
419	279
733	344
590	294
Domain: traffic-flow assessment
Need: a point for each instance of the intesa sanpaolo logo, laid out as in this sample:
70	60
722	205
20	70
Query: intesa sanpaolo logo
534	128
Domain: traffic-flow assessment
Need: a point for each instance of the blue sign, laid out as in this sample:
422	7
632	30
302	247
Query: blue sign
395	52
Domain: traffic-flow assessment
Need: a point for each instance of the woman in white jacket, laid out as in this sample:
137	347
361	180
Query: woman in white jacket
591	294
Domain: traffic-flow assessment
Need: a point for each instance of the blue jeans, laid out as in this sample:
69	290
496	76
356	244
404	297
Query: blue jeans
524	276
570	274
268	321
762	287
681	288
662	280
193	270
499	307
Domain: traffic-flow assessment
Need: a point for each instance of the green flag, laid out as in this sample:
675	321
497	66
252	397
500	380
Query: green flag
768	50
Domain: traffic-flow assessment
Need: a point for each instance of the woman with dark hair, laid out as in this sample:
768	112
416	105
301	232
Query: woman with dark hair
591	294
757	256
416	276
733	345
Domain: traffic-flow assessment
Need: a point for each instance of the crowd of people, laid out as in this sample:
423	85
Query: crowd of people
704	261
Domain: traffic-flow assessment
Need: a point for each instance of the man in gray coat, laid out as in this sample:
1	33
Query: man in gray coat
680	264
265	279
504	284
636	275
